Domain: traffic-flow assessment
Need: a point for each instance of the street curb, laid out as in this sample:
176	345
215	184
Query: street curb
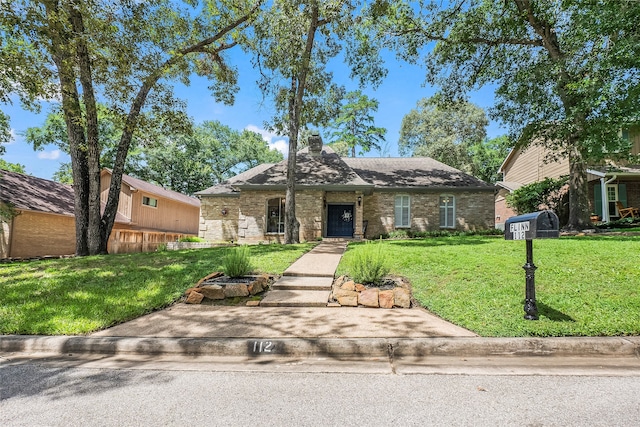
346	348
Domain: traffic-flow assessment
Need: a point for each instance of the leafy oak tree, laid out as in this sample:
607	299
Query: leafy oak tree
443	131
124	53
355	126
567	73
211	154
294	41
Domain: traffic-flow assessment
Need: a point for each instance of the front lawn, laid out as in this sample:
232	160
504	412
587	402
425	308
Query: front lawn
585	286
81	295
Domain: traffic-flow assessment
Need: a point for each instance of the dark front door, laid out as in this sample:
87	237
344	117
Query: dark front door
340	221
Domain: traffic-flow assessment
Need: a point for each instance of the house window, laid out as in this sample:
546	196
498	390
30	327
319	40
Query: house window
447	211
612	198
275	215
150	201
403	211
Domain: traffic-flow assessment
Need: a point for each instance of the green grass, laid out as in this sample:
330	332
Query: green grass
585	286
82	295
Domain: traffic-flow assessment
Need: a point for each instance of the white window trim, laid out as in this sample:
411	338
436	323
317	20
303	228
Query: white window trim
408	207
440	208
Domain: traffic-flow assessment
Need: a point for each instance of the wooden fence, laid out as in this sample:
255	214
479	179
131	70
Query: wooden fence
127	241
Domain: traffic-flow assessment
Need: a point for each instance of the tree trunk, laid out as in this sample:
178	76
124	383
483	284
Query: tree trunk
93	142
578	192
64	61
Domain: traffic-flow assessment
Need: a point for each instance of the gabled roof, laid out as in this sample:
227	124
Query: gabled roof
26	192
332	172
138	184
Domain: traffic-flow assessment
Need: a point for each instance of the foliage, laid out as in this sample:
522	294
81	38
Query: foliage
443	131
368	265
478	283
545	194
567	73
413	234
487	156
80	295
123	53
354	125
12	167
194	239
209	155
237	262
622	223
5	131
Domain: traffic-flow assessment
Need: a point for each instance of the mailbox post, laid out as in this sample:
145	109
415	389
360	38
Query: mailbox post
537	225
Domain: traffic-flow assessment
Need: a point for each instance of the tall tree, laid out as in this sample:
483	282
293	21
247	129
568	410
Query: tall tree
212	153
443	131
487	157
355	125
567	72
12	167
122	52
294	41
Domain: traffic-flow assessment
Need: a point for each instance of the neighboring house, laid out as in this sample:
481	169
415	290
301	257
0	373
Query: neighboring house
345	197
44	221
525	166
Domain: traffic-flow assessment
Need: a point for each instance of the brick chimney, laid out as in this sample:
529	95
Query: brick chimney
315	144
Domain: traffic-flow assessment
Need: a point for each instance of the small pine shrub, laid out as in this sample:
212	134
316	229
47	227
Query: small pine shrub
368	264
237	262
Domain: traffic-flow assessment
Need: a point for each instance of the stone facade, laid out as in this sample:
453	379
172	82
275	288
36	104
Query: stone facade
473	210
40	234
243	218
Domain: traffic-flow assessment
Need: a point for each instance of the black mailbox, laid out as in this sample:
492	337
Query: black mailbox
536	225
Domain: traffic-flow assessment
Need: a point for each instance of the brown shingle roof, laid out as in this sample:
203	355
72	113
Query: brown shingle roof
331	170
411	172
27	192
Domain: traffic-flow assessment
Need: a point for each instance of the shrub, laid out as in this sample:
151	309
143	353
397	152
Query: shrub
191	239
545	194
237	262
368	264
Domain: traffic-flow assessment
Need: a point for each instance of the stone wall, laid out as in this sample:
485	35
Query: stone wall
219	218
39	234
474	210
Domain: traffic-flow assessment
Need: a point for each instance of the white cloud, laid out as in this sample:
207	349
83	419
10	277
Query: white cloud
49	155
274	140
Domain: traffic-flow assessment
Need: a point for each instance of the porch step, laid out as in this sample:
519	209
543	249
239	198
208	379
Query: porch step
295	298
291	283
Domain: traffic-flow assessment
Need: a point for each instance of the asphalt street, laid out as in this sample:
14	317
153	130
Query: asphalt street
35	395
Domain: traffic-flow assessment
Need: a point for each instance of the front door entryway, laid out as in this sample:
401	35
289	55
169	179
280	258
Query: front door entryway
340	221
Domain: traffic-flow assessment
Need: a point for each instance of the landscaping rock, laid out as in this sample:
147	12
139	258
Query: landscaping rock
339	293
210	276
256	286
194	298
360	287
401	298
385	298
348	300
253	303
349	286
369	297
188	291
236	290
212	291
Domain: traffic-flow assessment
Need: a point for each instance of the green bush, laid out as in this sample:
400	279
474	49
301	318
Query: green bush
538	195
237	262
368	264
191	239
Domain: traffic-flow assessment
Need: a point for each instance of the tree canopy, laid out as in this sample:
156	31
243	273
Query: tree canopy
567	73
354	126
123	53
294	42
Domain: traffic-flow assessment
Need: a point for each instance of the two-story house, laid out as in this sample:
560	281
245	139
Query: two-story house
620	180
40	220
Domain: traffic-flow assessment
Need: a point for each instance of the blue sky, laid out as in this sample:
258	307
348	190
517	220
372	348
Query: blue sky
397	95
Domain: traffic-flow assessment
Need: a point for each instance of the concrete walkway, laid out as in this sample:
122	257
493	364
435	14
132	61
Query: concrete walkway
307	282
